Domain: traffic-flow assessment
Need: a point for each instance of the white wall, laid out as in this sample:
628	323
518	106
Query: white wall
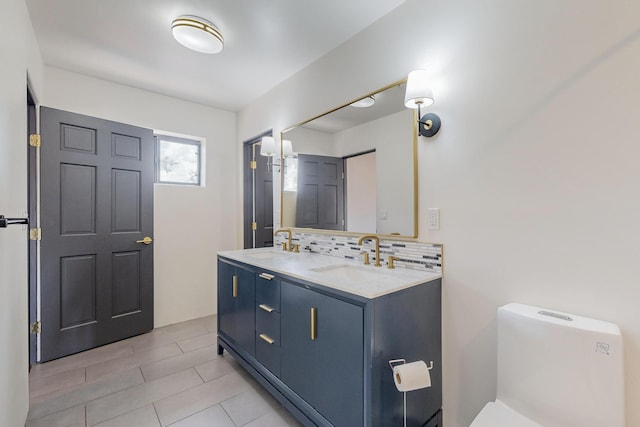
308	141
20	55
361	192
392	138
190	223
535	169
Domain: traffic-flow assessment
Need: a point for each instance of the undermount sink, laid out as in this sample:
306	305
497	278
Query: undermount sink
349	271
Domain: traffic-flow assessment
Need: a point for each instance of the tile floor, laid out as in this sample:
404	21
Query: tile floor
171	376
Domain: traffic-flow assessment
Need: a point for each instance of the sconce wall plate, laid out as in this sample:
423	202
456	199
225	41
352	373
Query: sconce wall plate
429	125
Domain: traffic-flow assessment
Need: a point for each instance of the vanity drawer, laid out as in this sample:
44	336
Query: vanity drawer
268	339
269	324
268	290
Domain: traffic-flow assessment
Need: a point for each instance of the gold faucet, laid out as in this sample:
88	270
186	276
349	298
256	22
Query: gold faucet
376	239
284	245
390	261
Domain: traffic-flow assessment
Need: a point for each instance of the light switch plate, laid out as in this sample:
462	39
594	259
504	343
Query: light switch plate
433	218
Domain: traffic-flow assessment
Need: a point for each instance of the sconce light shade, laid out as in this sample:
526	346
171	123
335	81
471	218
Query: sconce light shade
197	34
287	148
268	146
418	92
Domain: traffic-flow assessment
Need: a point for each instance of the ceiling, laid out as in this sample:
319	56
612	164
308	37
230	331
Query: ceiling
130	42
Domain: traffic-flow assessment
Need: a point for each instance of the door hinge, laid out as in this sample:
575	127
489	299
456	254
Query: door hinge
253	164
254	226
36	328
342	175
34	140
35	234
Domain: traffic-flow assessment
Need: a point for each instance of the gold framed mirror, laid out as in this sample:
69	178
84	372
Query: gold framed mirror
353	169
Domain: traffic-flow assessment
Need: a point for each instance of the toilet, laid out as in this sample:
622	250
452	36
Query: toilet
555	370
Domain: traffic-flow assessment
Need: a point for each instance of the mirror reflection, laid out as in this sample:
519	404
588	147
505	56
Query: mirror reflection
353	169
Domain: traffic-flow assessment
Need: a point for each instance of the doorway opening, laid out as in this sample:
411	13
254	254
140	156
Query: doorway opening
361	192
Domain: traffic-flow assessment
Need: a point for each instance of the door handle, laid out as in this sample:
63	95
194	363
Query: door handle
147	240
314	326
234	287
8	221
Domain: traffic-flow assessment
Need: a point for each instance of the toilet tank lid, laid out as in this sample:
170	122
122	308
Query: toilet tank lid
496	414
560	318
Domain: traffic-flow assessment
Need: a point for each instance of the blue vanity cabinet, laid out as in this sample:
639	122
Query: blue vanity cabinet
236	310
322	353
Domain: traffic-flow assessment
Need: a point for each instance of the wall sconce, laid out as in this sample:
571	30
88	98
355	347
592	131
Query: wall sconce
268	148
419	95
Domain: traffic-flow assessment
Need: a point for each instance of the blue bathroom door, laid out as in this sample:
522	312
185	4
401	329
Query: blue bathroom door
258	196
96	211
320	195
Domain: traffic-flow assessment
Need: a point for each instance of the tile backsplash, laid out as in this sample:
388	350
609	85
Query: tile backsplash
411	254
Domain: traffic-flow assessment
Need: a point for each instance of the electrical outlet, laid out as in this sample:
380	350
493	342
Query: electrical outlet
433	218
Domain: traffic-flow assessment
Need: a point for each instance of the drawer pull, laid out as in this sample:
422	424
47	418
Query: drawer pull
266	308
267	339
234	291
314	315
267	276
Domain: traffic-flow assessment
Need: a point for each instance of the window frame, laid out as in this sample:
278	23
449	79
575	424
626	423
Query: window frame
179	139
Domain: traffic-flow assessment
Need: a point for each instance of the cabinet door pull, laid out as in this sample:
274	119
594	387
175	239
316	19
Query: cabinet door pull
314	316
266	338
235	287
266	308
267	276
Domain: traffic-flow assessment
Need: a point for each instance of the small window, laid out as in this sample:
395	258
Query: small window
178	160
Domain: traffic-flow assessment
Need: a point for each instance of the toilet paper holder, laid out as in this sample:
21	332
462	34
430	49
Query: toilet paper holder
396	362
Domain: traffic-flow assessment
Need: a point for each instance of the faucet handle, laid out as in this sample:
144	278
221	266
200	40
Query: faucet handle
284	246
390	261
365	256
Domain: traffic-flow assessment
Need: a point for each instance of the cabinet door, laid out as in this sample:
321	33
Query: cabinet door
236	299
296	349
322	353
339	365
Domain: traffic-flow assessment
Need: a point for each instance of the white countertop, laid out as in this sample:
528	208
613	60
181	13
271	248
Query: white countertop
338	273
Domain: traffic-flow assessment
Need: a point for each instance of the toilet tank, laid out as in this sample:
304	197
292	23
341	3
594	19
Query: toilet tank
559	369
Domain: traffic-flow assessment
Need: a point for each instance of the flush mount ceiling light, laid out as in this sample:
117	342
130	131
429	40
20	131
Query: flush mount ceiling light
419	94
364	102
197	34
